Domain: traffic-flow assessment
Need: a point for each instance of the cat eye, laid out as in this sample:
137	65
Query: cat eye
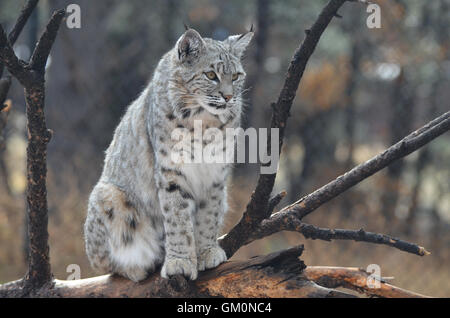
235	77
211	75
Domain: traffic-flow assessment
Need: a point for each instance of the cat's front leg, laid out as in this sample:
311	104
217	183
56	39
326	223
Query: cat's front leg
177	206
208	222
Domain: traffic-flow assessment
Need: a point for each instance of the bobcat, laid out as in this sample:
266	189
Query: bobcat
147	210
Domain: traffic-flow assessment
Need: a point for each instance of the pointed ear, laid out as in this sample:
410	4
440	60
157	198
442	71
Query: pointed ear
190	47
239	43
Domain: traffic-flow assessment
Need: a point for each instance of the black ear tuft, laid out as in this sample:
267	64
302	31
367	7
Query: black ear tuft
238	43
190	46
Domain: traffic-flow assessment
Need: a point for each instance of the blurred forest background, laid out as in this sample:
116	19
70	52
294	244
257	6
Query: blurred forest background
363	90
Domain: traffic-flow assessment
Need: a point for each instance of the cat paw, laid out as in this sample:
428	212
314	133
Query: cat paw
211	258
179	266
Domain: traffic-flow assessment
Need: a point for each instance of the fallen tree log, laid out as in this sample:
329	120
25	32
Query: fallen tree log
279	274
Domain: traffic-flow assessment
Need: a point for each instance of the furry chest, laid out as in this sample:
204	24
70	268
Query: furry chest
201	177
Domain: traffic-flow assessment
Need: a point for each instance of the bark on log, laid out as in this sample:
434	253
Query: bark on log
275	275
355	279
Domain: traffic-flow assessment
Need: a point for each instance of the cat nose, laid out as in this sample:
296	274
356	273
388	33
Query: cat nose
226	97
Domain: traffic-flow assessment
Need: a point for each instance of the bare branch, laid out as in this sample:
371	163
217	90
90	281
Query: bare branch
25	14
281	112
297	211
10	60
313	232
355	279
20	23
5	83
406	146
43	48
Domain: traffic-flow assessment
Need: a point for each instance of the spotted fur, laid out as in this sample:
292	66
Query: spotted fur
147	210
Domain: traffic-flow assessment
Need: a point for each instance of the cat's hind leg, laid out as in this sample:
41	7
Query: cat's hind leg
118	238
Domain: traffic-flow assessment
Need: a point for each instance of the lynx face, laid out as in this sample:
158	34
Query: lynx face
211	72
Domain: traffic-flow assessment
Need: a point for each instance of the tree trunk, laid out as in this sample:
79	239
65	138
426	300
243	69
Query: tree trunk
39	136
